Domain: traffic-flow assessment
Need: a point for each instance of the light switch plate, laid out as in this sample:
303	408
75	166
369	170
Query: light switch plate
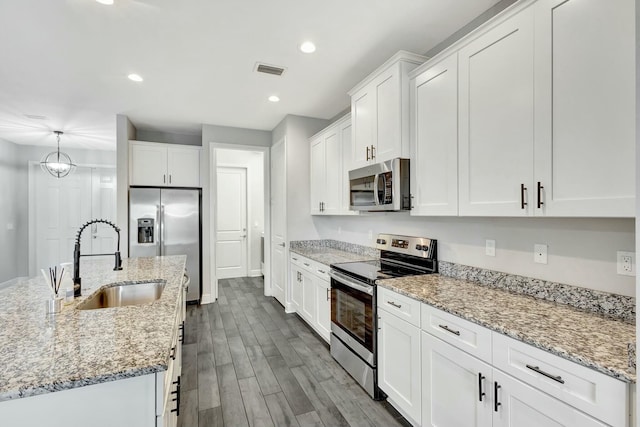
626	263
540	253
490	247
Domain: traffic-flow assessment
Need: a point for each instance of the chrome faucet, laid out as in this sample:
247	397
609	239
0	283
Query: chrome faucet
77	285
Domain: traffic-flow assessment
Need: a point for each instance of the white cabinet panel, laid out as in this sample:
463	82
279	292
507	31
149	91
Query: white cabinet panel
148	165
399	370
323	308
183	167
585	107
455	386
318	174
434	140
496	119
388	120
333	173
363	114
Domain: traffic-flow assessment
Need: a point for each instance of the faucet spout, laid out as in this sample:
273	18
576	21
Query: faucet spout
77	281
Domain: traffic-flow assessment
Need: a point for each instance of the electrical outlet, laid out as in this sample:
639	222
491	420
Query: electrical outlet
490	248
540	253
626	263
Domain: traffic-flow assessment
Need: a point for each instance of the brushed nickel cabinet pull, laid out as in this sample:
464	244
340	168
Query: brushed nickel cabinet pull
367	154
394	304
537	369
373	152
448	329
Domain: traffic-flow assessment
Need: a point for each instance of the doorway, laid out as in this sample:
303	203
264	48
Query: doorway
239	194
231	223
59	207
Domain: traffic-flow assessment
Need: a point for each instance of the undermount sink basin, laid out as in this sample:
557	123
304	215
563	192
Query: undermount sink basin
123	294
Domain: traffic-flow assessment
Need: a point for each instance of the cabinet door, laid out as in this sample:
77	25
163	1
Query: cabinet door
496	120
148	165
388	135
363	116
323	308
308	305
333	177
346	133
318	175
184	167
455	386
585	107
296	288
434	105
399	364
521	405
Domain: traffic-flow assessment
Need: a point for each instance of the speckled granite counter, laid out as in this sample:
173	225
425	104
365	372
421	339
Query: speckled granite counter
41	354
589	339
329	252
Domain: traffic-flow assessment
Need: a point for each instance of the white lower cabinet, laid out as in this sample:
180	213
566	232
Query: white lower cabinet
399	364
455	386
434	376
310	293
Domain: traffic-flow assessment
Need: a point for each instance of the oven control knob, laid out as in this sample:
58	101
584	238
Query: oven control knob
381	242
425	248
419	247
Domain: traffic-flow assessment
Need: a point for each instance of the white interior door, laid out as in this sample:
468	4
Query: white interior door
231	223
103	197
278	222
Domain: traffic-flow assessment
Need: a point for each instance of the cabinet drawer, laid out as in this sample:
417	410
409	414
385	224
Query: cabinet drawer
597	394
404	307
467	336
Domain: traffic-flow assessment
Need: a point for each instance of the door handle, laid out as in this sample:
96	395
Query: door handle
373	152
480	392
281	244
496	402
367	153
540	188
162	229
522	191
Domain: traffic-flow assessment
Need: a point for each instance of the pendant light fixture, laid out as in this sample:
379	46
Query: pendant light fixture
57	163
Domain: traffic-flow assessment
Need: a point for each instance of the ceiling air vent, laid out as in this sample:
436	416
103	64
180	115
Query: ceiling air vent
270	69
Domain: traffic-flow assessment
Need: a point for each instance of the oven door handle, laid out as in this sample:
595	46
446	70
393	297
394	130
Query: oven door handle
347	281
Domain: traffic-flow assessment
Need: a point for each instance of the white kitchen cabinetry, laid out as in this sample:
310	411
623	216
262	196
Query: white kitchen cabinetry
585	108
399	362
310	293
450	372
380	111
455	386
163	165
329	165
496	120
434	139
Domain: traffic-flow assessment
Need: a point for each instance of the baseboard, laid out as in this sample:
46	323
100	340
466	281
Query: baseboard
206	299
255	273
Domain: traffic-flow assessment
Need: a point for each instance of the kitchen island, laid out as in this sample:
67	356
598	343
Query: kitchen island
81	353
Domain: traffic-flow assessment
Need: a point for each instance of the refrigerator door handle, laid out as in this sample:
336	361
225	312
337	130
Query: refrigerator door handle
157	231
161	230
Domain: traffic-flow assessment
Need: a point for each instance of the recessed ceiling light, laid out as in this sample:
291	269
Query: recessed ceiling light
135	77
308	47
274	98
109	2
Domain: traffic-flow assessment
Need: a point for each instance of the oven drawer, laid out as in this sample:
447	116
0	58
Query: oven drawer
402	306
597	394
467	336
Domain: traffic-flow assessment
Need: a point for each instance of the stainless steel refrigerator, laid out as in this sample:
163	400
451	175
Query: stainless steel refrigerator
166	221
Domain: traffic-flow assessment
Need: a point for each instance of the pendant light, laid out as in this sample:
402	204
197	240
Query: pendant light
57	163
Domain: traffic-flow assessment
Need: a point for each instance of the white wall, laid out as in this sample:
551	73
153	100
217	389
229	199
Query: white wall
12	214
582	252
254	163
124	132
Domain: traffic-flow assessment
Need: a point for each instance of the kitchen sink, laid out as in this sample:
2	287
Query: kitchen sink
123	294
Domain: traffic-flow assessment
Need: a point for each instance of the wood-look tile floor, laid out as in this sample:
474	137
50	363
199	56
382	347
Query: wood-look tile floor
247	363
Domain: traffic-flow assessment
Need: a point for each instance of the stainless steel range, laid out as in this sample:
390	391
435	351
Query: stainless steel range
353	301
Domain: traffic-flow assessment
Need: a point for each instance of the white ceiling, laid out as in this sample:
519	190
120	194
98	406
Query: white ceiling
68	60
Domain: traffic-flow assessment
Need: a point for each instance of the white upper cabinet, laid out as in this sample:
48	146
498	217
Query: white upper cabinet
380	112
163	165
434	139
496	120
585	108
329	159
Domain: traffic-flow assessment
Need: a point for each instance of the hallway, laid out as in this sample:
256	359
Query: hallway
247	363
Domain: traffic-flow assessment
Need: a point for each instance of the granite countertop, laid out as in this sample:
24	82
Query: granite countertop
589	339
41	354
328	256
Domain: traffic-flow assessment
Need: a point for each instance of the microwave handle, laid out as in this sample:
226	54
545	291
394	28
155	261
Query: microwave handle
375	189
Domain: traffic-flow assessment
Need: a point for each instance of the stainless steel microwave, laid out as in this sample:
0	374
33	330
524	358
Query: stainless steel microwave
380	187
